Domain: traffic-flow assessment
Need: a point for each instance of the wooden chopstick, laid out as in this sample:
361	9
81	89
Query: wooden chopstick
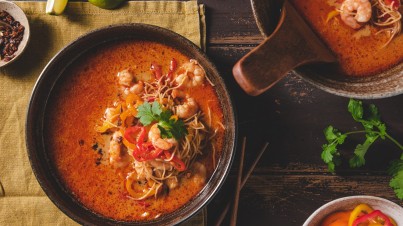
244	179
234	213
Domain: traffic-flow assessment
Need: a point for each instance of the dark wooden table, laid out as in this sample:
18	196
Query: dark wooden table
291	181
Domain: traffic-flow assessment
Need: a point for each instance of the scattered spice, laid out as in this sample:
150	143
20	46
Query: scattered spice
81	142
95	146
10	36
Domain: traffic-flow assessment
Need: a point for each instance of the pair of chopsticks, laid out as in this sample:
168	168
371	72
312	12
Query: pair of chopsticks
241	181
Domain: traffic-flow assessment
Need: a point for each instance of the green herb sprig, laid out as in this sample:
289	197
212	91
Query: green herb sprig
373	128
169	127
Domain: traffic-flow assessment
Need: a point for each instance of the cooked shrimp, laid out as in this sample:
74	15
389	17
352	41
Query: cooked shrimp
111	114
354	12
125	78
117	157
190	74
189	106
172	182
163	143
137	88
199	173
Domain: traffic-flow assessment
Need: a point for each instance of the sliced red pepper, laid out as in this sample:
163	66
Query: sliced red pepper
146	152
374	216
395	3
167	154
172	67
131	132
178	164
156	70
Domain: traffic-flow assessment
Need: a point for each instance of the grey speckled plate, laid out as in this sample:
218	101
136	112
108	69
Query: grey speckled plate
348	203
386	84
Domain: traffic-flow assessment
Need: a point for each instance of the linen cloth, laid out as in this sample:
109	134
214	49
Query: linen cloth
22	201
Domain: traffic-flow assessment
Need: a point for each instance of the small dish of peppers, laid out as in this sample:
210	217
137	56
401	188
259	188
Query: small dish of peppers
361	215
357	211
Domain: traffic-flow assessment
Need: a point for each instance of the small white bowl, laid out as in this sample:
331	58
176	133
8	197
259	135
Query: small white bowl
18	15
391	209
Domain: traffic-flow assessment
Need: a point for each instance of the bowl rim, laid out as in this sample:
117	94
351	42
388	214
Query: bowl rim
23	19
33	132
327	205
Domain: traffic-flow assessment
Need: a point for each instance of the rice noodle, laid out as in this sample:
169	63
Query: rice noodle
150	175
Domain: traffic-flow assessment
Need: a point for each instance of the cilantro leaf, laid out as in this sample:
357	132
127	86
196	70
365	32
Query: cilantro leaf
147	113
330	155
397	184
156	108
374	128
358	159
396	171
169	128
356	109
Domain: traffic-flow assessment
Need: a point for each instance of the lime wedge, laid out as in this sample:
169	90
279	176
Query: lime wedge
55	7
106	4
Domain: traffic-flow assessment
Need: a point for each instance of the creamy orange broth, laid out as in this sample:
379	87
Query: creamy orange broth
358	57
76	108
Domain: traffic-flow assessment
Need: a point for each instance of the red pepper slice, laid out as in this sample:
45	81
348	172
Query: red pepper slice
376	216
167	154
178	164
172	67
131	132
146	152
156	69
396	3
143	151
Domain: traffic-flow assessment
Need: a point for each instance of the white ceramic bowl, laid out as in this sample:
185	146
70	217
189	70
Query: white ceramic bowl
18	15
392	209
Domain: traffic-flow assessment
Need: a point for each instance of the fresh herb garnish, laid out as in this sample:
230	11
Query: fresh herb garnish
374	129
169	126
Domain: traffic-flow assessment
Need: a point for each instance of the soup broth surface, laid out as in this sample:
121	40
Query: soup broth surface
360	52
76	149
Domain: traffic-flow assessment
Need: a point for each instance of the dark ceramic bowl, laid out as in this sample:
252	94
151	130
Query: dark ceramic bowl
44	89
388	83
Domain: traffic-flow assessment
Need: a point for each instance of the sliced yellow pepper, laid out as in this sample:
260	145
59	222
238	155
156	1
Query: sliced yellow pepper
127	113
105	126
132	99
331	15
175	117
358	211
129	145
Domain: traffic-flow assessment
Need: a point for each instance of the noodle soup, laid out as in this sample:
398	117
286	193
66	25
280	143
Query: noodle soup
365	50
135	130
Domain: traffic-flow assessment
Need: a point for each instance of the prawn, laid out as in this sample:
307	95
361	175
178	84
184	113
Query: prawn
190	74
354	12
137	88
117	157
199	173
125	78
162	143
188	108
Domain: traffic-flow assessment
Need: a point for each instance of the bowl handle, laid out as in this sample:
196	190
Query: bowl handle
292	44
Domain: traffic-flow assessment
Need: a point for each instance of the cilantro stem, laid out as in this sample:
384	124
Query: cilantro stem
386	135
394	141
354	132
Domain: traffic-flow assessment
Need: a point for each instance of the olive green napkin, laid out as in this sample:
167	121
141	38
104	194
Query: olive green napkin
22	201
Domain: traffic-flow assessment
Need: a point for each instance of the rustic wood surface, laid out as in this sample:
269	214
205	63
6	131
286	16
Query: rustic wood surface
290	181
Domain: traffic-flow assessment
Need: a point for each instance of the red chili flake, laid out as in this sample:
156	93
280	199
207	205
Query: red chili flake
11	36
